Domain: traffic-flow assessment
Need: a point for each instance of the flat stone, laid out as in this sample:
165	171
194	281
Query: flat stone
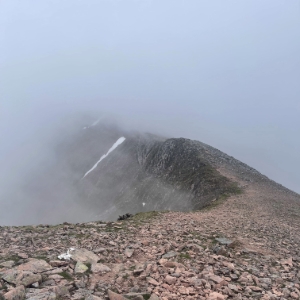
216	279
215	296
170	254
170	279
224	241
100	268
170	264
99	250
114	296
35	266
152	281
84	255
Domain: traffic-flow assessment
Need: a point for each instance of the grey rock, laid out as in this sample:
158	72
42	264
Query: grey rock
129	252
224	241
170	254
100	268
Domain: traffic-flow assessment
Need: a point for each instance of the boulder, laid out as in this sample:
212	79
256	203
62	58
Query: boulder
84	256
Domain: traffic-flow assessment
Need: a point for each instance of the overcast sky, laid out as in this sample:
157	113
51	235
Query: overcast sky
223	72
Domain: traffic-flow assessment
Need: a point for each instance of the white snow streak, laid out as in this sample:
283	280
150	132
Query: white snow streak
96	122
114	146
92	125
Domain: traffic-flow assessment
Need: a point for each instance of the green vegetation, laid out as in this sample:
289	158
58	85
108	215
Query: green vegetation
184	255
233	189
66	275
145	216
89	265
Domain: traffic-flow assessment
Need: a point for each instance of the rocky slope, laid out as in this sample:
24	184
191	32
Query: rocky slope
243	247
243	244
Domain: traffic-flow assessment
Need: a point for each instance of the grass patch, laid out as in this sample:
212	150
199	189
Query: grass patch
42	257
14	258
89	270
184	255
221	199
80	236
66	275
145	216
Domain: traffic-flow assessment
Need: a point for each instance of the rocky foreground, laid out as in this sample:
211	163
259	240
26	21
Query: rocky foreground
246	247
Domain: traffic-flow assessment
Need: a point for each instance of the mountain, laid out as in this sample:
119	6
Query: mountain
100	171
236	235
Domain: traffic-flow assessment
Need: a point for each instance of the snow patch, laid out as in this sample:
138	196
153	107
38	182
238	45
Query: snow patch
92	125
66	255
96	122
144	203
114	146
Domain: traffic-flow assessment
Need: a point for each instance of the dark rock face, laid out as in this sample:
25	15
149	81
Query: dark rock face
148	173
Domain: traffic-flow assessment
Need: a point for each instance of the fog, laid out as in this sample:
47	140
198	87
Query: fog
225	73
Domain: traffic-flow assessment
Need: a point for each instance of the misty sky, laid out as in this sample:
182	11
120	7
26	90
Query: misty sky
223	72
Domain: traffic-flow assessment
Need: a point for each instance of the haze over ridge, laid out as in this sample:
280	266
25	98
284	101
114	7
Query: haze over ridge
225	75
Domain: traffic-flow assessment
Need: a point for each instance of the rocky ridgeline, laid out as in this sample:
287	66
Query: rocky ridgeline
153	256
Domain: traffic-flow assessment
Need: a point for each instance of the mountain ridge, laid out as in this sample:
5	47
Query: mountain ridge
242	244
145	172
